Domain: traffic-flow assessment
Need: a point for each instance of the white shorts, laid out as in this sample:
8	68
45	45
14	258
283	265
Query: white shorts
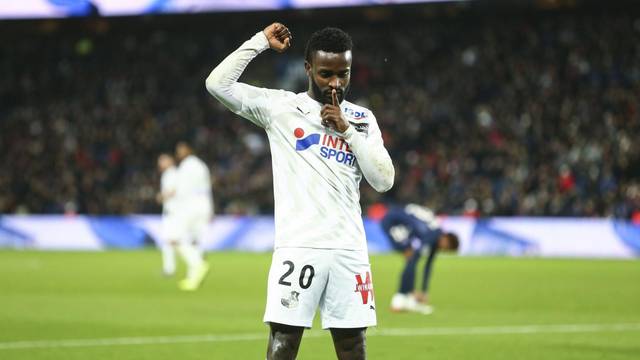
338	282
185	226
171	228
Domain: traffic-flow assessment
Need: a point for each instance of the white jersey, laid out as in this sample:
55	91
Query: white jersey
316	171
193	190
168	184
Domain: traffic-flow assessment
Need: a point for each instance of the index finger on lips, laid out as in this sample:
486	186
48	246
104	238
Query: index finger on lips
334	97
328	111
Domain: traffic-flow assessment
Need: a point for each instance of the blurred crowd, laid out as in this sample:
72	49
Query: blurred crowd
527	114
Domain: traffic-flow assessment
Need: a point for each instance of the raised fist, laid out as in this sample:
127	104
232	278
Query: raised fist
279	37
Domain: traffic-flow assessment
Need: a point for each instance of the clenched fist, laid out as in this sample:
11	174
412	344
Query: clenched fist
279	37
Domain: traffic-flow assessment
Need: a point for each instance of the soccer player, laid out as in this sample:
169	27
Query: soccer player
415	231
167	197
194	211
321	146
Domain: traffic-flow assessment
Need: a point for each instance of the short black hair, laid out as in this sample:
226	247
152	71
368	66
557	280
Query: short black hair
329	39
184	143
454	242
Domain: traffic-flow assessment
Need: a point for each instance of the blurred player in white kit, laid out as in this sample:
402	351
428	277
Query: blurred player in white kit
321	147
189	205
167	197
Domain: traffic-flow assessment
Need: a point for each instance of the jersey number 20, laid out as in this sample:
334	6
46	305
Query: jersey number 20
303	272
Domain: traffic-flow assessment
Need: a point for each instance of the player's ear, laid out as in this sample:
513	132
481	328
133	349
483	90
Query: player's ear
307	68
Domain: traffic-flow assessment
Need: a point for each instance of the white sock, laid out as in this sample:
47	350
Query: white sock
168	259
192	257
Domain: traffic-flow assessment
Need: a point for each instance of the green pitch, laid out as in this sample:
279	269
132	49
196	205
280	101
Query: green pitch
115	305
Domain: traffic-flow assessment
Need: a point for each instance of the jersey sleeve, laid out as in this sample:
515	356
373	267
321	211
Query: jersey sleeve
250	102
373	158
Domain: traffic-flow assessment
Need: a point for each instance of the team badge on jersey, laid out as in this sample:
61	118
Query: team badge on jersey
356	119
355	115
332	147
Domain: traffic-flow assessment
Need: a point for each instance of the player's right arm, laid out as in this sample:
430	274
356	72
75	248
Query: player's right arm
245	100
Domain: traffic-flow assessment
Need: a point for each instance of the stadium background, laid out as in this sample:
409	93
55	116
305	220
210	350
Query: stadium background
493	112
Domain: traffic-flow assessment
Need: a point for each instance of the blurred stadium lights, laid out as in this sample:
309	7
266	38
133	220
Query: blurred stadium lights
30	9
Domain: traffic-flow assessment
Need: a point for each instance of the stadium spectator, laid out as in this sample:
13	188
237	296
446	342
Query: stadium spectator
534	114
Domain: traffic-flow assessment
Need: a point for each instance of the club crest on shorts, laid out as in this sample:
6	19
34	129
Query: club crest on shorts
290	302
364	287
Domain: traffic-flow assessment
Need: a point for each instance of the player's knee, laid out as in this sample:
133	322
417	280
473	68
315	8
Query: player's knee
284	341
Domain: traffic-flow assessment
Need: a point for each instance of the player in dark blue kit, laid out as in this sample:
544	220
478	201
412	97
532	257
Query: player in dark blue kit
415	231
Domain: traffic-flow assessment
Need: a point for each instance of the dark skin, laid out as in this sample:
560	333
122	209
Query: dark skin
330	74
182	151
284	342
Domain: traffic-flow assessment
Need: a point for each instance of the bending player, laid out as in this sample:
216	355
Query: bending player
321	146
415	231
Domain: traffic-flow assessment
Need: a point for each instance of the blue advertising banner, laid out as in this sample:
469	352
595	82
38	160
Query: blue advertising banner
545	237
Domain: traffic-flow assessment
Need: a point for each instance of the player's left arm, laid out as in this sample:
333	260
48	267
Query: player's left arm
373	158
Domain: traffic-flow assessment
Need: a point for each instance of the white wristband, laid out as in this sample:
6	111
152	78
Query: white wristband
348	134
